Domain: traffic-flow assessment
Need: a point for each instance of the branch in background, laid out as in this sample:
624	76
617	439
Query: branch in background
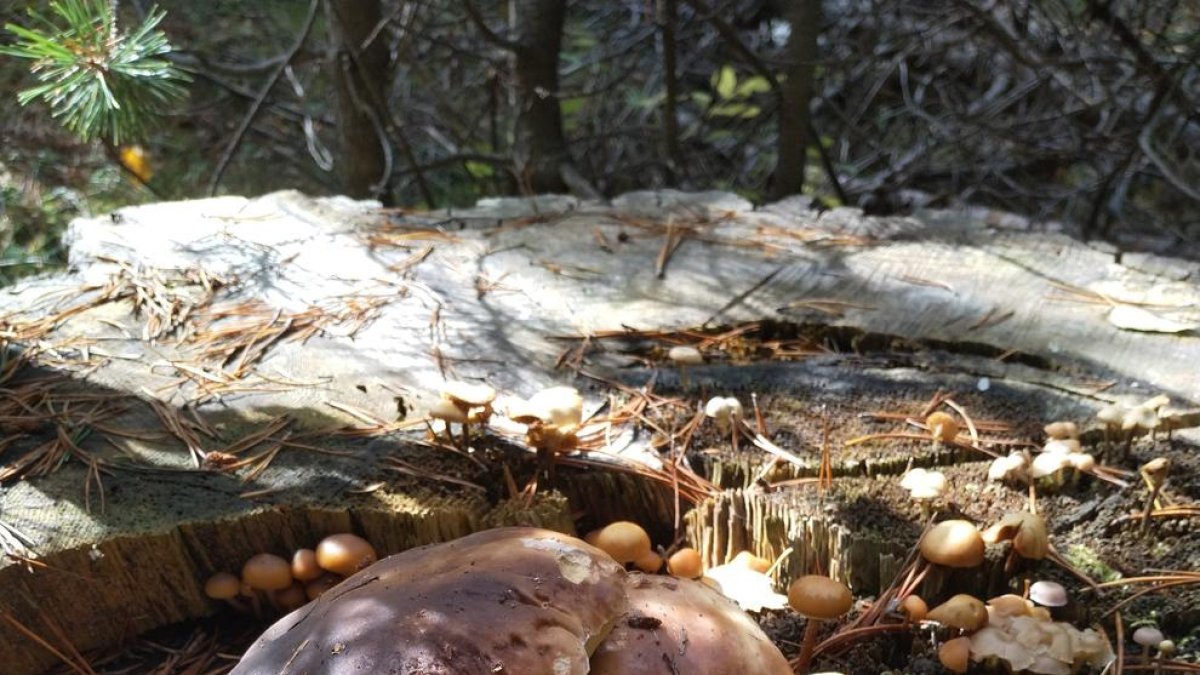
489	34
730	36
236	140
393	131
667	16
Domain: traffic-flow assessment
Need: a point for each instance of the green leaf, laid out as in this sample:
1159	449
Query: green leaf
742	110
753	85
702	99
571	106
479	169
725	82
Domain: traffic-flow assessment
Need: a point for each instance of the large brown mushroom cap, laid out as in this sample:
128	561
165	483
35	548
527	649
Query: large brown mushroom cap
509	600
681	626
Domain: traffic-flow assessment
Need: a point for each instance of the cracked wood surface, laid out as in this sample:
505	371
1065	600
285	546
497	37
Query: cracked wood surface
408	299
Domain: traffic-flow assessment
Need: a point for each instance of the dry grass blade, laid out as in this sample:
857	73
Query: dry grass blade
181	428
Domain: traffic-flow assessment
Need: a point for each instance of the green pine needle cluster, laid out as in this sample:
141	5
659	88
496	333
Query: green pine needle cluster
100	82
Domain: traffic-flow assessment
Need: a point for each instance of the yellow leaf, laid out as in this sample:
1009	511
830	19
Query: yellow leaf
135	159
725	82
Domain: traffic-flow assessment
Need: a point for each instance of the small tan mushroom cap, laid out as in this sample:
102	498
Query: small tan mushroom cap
686	625
819	597
955	654
345	553
447	412
953	543
510	600
304	565
624	541
942	426
267	572
685	563
560	406
467	395
685	356
222	586
962	611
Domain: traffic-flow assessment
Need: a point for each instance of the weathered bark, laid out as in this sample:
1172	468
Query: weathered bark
362	159
541	148
795	119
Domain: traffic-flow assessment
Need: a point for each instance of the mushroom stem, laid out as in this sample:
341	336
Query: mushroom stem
1154	473
804	660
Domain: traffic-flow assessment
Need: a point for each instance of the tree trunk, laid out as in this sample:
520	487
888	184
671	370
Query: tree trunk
362	159
795	121
540	149
667	16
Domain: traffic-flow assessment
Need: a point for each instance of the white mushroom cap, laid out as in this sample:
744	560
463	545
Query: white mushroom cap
685	356
561	406
1049	463
466	394
723	408
1112	415
447	412
1148	636
924	481
1158	402
1048	594
1062	445
1081	461
1006	468
1140	417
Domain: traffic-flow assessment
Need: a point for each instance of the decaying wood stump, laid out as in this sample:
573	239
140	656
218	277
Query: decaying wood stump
277	330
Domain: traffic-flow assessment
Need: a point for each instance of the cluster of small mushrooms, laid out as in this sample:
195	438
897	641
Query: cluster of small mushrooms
286	585
602	605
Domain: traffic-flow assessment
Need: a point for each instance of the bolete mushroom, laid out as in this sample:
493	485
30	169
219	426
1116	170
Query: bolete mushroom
506	600
818	598
682	626
345	553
